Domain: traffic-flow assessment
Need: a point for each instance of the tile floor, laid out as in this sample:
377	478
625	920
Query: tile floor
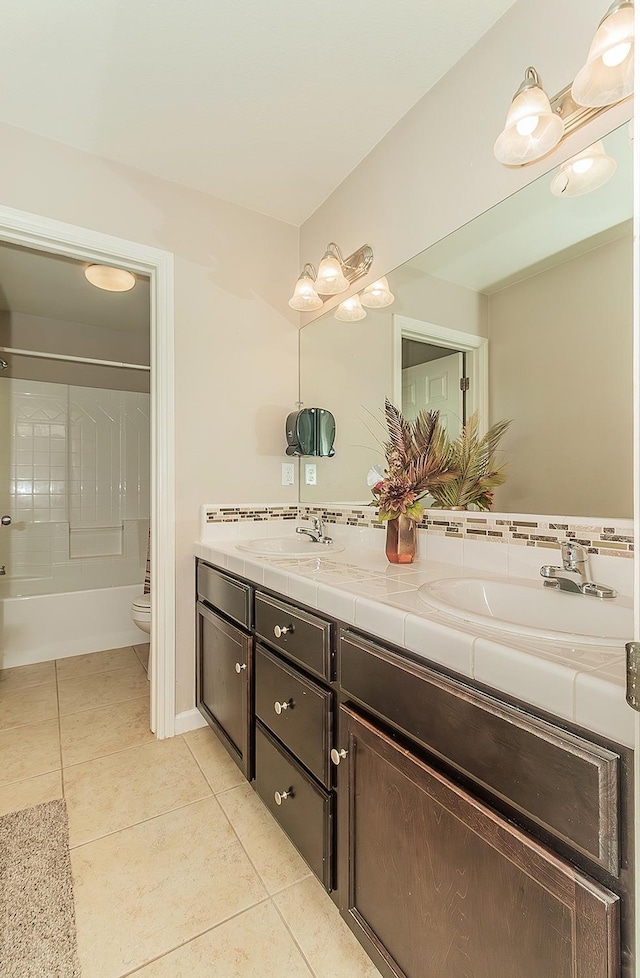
179	870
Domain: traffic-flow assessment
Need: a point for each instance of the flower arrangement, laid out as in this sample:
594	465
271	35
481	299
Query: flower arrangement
419	461
477	474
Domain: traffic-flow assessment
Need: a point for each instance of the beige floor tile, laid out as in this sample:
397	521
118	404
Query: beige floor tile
78	666
28	751
278	862
149	888
219	769
142	651
25	794
256	944
113	792
24	706
326	941
95	733
33	675
102	690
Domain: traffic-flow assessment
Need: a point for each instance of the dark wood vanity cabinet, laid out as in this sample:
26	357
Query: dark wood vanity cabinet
460	835
224	672
435	883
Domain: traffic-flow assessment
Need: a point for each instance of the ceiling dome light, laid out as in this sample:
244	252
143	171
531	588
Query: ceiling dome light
305	298
607	76
109	278
584	172
532	129
330	279
350	311
377	295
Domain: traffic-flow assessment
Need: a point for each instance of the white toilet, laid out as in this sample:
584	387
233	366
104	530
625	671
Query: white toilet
141	612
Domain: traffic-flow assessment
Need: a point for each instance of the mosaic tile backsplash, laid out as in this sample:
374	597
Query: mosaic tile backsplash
613	538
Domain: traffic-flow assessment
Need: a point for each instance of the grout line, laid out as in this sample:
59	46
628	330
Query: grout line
142	821
59	731
103	672
92	709
32	777
292	935
202	771
190	940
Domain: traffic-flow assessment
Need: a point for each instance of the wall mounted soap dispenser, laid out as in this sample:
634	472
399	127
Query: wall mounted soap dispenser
310	431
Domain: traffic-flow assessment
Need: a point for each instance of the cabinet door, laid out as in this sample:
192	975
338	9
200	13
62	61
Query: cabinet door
224	684
435	883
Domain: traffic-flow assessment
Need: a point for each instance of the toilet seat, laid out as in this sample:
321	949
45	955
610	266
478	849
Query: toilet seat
142	604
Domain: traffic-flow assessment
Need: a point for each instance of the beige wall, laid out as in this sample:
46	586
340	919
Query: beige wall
235	343
567	330
22	332
435	169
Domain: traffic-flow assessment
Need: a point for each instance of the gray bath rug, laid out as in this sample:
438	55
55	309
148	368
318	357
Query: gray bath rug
37	919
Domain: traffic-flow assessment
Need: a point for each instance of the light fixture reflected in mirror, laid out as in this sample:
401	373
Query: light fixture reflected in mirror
350	311
377	295
607	76
109	278
330	279
532	129
305	298
584	172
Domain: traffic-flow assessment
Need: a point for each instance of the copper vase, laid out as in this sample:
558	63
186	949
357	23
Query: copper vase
401	540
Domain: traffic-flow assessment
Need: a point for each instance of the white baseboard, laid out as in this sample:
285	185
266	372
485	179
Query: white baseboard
189	720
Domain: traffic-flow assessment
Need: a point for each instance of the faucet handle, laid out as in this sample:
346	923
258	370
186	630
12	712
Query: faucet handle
573	554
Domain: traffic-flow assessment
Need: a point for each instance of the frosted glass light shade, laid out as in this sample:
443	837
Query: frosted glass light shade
330	278
531	130
305	298
109	278
377	295
350	311
607	76
584	172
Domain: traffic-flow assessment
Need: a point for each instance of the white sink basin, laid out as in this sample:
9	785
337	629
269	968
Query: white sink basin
528	608
293	546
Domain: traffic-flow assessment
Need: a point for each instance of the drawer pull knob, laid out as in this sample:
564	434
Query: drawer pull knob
240	666
338	755
280	707
281	796
280	630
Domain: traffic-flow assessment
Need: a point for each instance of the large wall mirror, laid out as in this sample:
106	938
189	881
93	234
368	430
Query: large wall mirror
530	307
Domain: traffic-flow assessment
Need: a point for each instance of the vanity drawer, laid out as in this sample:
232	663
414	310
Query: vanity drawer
229	596
300	636
297	710
567	785
305	813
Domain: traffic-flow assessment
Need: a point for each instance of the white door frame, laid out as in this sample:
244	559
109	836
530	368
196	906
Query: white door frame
476	348
43	234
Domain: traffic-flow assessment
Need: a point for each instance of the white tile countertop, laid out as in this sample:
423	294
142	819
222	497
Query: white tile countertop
359	587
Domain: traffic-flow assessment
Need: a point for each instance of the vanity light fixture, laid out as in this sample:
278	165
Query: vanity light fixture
109	278
377	295
305	298
607	76
532	128
335	274
350	311
584	172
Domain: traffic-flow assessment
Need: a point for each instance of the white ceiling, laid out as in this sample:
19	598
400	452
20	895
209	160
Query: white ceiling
267	103
40	284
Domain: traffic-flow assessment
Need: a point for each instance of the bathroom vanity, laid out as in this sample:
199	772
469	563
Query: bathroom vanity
434	810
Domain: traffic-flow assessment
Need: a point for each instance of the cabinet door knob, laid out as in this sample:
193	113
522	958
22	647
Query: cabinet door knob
281	796
6	520
279	707
338	755
280	630
240	666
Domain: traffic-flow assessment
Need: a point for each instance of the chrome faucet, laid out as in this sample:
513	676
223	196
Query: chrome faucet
317	534
572	576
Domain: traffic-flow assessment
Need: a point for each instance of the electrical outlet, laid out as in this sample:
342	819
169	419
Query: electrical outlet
310	474
288	474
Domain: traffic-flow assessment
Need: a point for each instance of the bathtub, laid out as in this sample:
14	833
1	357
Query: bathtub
54	626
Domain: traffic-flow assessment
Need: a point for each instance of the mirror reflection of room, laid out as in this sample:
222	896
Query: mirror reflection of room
524	313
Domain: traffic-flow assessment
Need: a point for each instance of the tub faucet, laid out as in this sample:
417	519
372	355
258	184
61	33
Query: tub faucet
317	534
572	576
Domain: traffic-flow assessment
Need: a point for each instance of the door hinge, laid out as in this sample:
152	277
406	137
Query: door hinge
464	383
633	674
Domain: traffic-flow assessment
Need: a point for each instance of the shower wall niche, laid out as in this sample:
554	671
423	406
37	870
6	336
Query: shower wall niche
75	478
